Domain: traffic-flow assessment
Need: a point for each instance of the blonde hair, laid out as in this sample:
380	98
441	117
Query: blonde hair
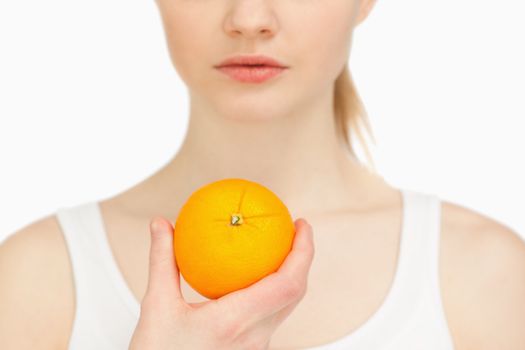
351	116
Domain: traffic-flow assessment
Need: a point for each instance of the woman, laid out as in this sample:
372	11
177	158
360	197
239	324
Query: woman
372	266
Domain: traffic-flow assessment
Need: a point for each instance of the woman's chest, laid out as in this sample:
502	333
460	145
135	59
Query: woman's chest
350	276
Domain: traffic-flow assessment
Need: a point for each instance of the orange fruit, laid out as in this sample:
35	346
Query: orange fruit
229	234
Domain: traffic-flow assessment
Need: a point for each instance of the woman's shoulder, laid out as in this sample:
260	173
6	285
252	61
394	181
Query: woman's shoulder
483	274
474	232
37	288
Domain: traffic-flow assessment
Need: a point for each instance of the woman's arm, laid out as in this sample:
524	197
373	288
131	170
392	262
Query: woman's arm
487	283
36	290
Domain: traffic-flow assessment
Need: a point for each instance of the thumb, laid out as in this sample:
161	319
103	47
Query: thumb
274	291
164	278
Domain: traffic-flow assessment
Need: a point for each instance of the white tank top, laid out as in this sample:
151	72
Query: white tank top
410	317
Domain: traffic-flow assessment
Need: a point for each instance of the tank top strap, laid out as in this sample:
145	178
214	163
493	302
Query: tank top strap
421	245
433	280
424	314
426	214
78	228
416	266
97	294
429	208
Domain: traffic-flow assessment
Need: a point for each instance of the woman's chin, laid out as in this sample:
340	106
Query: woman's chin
254	112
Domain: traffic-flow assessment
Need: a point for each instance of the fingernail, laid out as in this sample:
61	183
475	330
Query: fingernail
156	226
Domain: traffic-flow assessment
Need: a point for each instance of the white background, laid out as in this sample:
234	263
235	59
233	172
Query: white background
90	103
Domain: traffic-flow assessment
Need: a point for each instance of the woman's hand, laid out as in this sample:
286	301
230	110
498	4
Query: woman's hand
243	319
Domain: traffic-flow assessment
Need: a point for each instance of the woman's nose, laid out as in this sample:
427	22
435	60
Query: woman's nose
251	19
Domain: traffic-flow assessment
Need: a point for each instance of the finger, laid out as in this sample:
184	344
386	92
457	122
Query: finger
299	260
164	278
279	289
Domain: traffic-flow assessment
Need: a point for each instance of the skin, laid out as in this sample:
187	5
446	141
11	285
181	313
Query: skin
282	135
257	131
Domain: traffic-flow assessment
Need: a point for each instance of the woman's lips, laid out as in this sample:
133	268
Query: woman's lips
251	73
